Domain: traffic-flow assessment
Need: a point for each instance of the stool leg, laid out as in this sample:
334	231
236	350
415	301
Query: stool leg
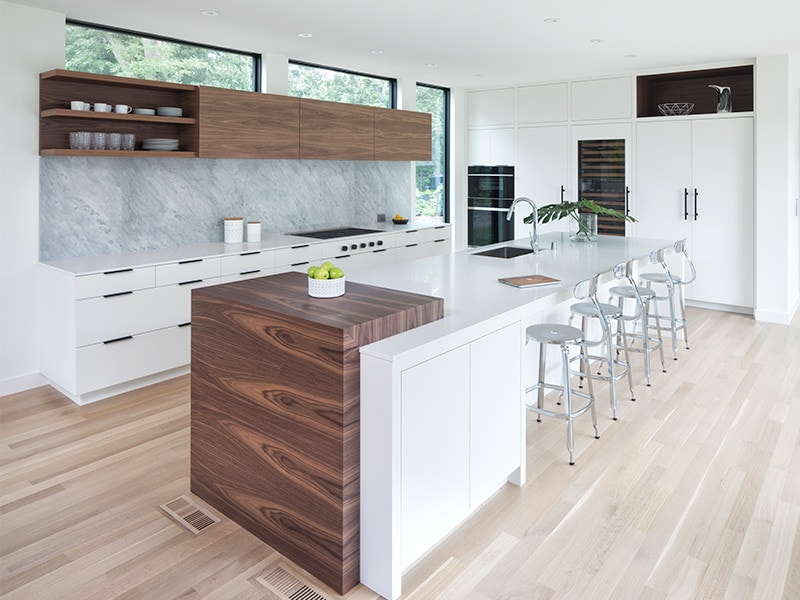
672	322
540	391
621	327
567	402
611	374
683	316
585	369
660	338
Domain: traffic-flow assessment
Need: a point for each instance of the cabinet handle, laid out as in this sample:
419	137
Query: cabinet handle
342	256
250	272
193	260
119	339
695	204
114	295
410	245
191	281
185	324
685	204
412	231
381	250
305	262
117	271
562	194
249	253
300	246
627	198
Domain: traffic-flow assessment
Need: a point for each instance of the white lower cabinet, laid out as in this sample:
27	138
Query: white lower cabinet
456	450
695	181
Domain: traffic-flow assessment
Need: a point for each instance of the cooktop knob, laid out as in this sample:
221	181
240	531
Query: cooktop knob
363	245
380	242
371	244
353	246
344	248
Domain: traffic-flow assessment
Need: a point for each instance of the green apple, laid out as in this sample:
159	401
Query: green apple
336	273
322	273
311	271
327	265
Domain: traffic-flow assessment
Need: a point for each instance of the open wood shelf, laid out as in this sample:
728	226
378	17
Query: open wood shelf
692	86
117	153
111	116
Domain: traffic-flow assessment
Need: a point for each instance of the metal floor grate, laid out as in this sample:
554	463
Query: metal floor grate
286	585
189	514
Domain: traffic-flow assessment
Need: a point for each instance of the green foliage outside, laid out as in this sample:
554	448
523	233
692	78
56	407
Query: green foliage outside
106	52
430	175
338	86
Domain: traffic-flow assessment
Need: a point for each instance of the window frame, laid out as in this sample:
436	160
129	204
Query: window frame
256	57
391	80
446	144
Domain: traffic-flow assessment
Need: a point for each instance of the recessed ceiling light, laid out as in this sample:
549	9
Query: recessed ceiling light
209	13
376	51
631	56
596	41
432	65
305	34
552	20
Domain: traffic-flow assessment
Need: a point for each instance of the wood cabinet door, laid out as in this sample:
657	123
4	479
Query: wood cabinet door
402	135
336	131
238	124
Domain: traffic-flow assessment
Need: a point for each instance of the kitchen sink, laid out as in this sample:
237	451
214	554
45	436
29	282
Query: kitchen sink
505	252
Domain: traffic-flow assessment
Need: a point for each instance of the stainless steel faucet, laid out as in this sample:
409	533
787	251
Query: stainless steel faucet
534	223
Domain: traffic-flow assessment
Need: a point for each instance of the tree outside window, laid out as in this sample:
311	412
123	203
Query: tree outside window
432	179
335	85
93	49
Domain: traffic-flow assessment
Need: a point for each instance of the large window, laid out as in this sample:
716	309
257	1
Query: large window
432	177
336	85
94	49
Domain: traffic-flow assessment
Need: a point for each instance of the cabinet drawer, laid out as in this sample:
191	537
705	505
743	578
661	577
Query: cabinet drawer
113	281
103	365
247	262
298	255
129	313
438	233
187	270
412	236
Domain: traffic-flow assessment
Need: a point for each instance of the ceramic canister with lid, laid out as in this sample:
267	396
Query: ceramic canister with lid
234	230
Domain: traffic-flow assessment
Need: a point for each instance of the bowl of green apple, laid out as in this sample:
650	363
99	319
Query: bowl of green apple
325	281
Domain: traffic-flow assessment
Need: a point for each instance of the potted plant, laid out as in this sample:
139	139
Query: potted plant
583	213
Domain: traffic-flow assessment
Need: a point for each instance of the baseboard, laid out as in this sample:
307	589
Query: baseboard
773	316
14	385
121	388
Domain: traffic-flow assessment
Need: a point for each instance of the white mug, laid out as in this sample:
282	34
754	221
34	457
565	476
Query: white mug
122	109
77	105
102	107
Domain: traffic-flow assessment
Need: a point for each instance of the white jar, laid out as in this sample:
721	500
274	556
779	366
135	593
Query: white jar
234	230
254	231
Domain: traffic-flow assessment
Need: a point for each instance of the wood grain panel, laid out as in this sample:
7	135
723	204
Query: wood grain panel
402	135
237	124
275	410
336	131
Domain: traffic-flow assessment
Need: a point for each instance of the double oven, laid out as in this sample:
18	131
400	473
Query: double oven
490	192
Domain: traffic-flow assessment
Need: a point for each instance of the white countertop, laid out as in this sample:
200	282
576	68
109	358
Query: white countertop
471	290
87	265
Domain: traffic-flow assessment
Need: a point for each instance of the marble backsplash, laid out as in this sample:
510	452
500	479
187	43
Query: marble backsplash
93	206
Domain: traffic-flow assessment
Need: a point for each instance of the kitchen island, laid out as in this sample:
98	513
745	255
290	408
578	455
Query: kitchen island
442	405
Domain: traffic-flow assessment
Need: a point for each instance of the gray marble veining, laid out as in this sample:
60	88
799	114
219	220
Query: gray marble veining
93	206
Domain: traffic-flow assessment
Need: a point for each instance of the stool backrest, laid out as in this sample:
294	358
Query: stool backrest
624	270
680	248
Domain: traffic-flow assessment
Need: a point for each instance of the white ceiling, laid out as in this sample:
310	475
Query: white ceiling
474	44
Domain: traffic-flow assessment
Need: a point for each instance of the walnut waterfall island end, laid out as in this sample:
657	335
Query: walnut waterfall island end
275	410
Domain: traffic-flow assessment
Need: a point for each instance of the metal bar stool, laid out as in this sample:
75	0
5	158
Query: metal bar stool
640	316
673	284
562	336
606	315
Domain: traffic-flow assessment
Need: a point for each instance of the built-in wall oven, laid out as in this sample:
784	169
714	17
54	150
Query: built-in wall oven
490	192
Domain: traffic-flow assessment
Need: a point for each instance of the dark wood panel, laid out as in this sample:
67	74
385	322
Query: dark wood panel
275	410
402	135
336	131
692	86
237	124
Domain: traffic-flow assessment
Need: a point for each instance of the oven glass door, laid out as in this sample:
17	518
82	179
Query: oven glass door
487	191
488	226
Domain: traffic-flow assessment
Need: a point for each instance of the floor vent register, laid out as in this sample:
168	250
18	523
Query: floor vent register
189	514
286	585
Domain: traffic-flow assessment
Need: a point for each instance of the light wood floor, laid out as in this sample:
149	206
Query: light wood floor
693	493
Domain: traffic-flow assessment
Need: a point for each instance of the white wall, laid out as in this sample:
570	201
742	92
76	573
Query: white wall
776	168
31	41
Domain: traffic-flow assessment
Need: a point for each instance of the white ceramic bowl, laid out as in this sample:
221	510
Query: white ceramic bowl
325	288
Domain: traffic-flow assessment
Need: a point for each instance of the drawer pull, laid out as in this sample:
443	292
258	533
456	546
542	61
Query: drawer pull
305	262
412	231
119	339
117	271
249	253
381	250
250	272
300	246
440	226
185	324
410	245
115	294
342	256
437	241
190	281
193	260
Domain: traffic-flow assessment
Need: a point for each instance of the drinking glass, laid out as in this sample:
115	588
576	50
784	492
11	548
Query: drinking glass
98	140
128	141
114	141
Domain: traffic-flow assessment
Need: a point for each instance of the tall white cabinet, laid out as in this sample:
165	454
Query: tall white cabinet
694	179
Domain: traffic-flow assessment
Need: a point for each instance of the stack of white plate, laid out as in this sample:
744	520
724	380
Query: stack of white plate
162	144
169	111
144	111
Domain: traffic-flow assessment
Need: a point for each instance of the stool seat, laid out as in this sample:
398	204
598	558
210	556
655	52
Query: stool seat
554	333
660	277
589	309
628	291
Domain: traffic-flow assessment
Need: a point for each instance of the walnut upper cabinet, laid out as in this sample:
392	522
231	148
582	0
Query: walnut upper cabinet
402	135
237	124
336	131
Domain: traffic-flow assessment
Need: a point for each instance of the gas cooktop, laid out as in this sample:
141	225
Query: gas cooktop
330	234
